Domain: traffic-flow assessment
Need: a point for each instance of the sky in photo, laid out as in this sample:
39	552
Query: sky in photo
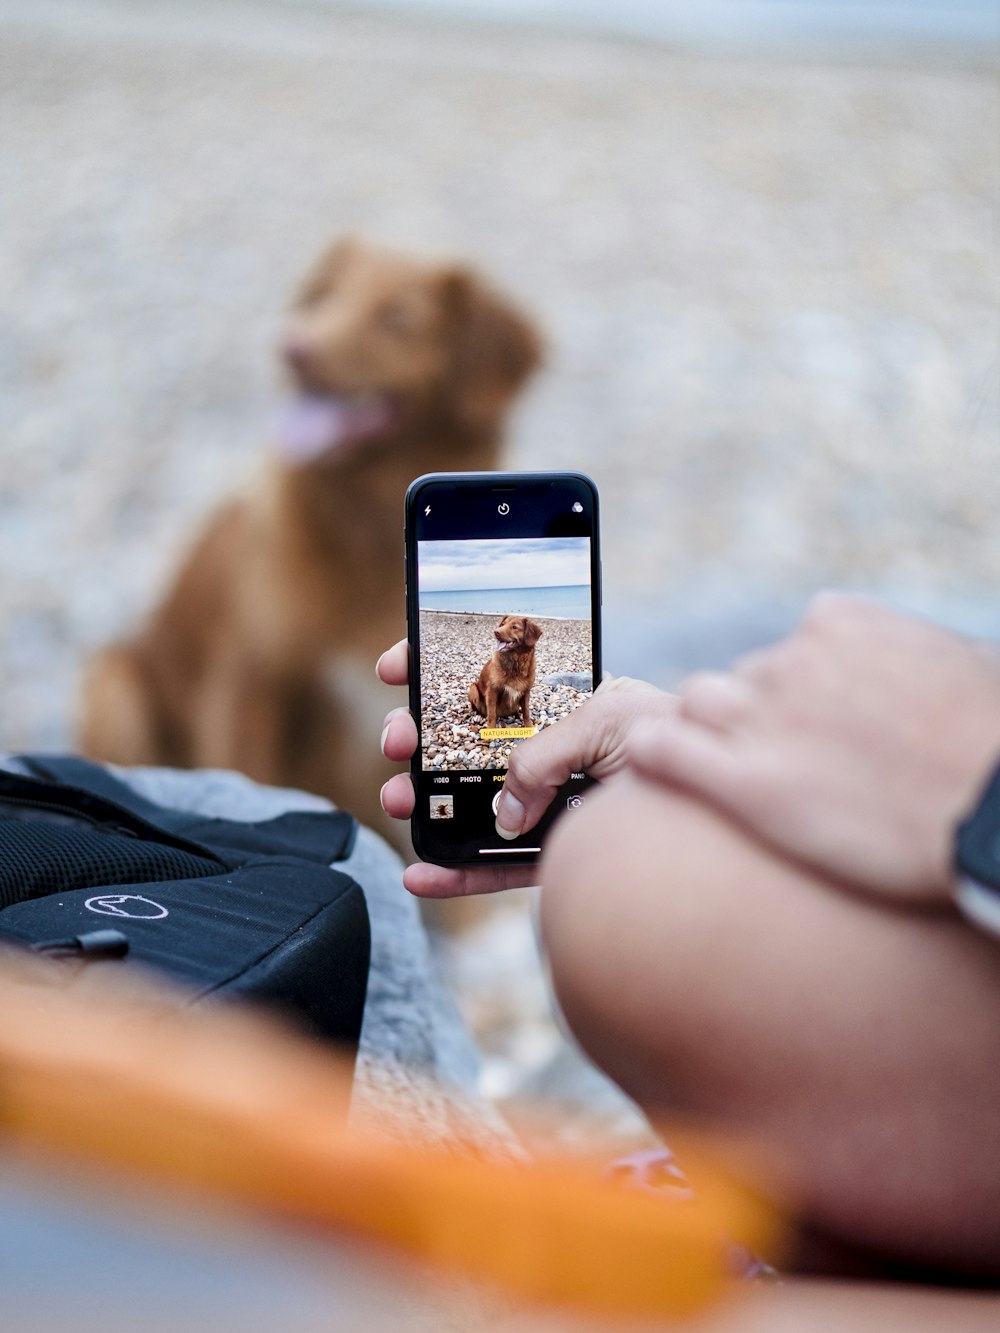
515	562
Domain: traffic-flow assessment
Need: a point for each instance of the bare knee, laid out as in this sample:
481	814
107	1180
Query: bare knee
859	1040
638	912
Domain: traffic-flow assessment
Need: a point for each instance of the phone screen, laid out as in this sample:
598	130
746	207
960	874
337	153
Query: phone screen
503	597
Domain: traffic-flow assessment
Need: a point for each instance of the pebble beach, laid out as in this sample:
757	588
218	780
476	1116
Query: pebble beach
768	284
454	645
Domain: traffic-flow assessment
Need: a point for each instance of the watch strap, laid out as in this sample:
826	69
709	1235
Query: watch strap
977	860
980	905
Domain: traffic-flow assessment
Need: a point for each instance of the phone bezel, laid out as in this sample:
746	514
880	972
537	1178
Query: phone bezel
424	843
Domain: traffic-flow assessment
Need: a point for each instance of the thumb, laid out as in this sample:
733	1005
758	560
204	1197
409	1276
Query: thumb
585	740
530	786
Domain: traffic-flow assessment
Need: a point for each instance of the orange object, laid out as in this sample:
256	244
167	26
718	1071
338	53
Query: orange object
228	1102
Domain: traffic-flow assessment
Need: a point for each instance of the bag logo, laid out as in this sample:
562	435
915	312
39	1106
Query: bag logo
127	904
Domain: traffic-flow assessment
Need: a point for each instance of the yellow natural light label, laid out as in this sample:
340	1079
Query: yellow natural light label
505	733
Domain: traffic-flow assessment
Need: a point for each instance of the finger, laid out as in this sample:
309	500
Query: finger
539	767
430	881
832	611
716	699
393	667
590	740
397	797
756	667
399	738
696	758
627	685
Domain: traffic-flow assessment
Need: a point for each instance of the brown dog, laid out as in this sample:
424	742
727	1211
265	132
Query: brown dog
259	657
505	682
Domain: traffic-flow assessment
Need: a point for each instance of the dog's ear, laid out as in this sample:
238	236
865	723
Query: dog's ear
327	271
532	633
494	348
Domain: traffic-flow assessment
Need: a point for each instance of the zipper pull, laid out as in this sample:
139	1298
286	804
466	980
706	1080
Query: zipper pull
91	944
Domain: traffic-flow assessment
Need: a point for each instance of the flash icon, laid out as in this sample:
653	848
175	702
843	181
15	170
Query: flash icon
427	511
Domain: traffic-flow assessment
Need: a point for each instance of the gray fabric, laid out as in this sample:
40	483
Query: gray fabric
407	1013
416	1059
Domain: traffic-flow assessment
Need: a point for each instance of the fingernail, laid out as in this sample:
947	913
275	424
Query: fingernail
378	664
511	811
386	724
381	793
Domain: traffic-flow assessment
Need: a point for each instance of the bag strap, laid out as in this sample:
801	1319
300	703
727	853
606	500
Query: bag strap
95	779
322	836
46	794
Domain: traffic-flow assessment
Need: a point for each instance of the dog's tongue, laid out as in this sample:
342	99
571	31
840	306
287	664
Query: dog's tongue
317	424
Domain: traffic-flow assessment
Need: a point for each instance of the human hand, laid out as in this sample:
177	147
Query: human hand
854	746
592	739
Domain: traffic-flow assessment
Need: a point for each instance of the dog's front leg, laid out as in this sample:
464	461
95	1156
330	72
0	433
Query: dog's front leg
492	698
526	709
242	721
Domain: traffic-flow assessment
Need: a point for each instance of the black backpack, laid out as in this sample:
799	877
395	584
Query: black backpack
90	869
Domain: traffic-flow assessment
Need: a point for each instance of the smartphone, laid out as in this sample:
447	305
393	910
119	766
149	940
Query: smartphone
503	597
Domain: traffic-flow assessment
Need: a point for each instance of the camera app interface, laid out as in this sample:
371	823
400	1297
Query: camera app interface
507	645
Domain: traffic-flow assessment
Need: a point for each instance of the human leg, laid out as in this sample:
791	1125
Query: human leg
861	1041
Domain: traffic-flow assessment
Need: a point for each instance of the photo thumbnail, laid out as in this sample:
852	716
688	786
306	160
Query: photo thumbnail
505	644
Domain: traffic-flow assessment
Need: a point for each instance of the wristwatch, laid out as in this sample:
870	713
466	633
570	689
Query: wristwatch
977	861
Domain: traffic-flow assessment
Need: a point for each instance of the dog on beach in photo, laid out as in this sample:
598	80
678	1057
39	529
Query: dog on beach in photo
259	657
504	684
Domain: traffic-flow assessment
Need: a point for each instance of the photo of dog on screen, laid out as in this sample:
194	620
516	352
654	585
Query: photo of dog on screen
505	644
506	679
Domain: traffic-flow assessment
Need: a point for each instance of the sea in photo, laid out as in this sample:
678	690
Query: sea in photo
566	603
